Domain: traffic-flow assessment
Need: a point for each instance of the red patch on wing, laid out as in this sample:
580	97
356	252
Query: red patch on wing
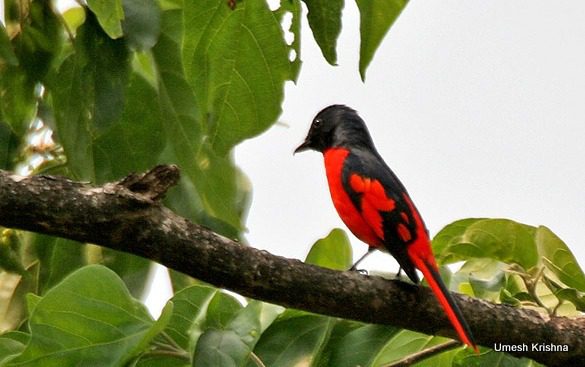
353	219
374	200
403	232
421	248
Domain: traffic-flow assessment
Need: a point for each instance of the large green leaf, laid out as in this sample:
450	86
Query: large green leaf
293	341
213	177
499	239
72	106
238	62
99	324
557	257
376	18
88	94
110	14
325	21
131	145
333	251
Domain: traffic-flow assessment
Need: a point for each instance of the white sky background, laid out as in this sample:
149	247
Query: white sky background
478	106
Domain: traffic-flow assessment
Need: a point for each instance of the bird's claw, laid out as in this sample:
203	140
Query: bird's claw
361	271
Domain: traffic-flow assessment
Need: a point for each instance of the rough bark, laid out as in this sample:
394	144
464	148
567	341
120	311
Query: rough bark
128	216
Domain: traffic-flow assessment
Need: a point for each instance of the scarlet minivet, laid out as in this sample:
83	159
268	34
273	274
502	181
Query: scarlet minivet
374	204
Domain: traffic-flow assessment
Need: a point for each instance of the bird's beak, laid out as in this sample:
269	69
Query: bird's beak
301	148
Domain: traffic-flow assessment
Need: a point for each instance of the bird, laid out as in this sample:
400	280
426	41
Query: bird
374	204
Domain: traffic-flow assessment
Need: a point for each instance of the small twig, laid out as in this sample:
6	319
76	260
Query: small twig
531	285
424	354
256	360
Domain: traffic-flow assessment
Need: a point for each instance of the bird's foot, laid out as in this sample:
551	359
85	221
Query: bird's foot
361	271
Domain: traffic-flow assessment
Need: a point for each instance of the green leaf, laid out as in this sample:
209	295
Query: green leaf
251	321
189	315
233	344
58	257
130	144
237	61
325	21
220	311
72	107
32	300
132	269
294	48
100	325
12	344
39	41
499	239
557	257
492	358
18	106
566	294
180	281
74	18
333	251
220	348
376	17
214	178
405	343
6	53
362	346
110	14
293	341
142	23
486	277
88	94
340	329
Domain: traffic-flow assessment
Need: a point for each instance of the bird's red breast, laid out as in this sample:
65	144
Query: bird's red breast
353	219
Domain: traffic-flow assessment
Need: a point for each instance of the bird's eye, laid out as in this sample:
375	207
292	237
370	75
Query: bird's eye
318	122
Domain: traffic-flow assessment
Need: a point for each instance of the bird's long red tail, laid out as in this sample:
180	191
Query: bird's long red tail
431	273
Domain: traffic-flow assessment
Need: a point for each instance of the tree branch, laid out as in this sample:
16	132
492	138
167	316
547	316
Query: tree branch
128	216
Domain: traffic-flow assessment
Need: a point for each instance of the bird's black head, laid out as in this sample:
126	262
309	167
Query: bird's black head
336	126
